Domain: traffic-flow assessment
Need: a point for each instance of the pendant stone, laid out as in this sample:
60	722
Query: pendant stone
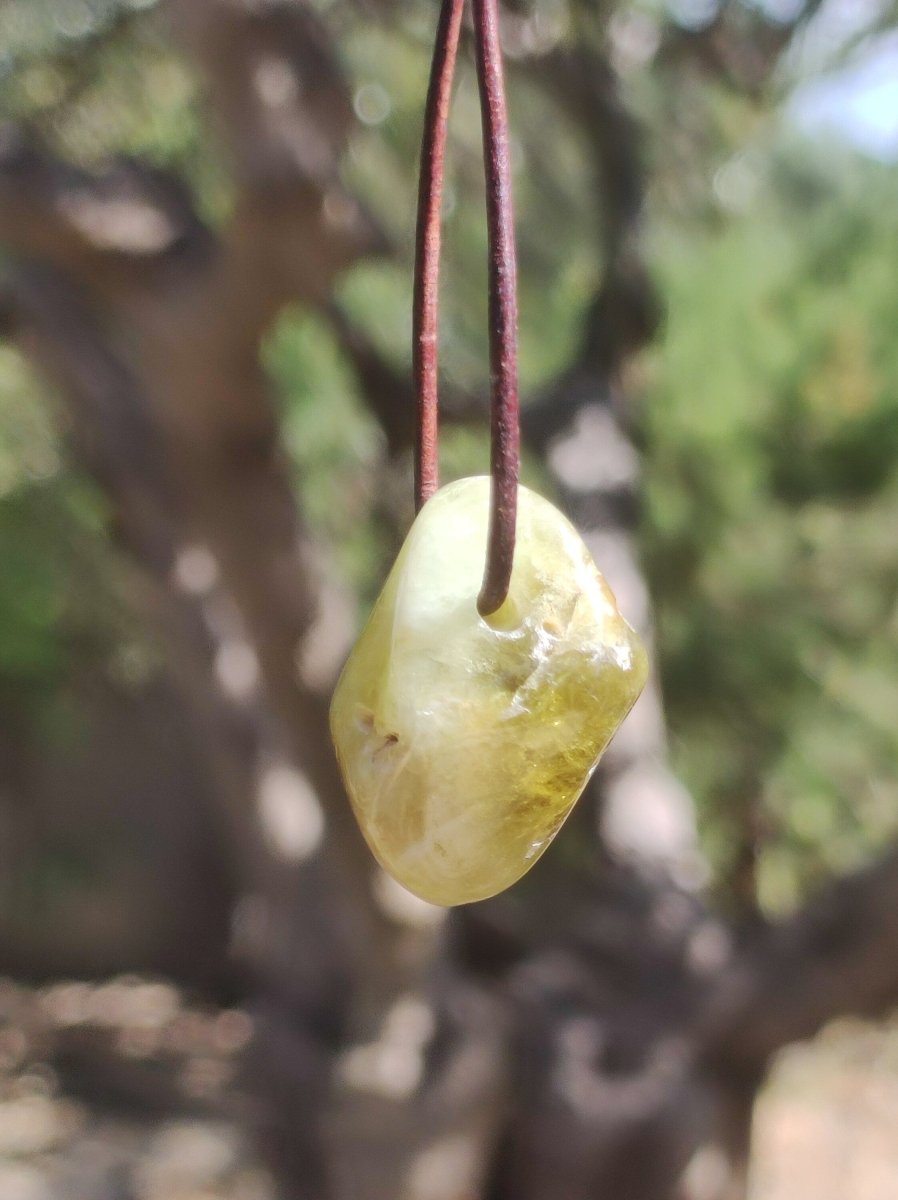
465	741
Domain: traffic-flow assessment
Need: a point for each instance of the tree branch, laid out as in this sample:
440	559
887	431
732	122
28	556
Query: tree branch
282	108
113	228
835	957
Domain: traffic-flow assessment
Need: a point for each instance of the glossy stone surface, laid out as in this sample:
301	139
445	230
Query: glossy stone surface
465	742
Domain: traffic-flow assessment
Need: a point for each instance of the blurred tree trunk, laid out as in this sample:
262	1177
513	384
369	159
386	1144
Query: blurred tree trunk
596	1032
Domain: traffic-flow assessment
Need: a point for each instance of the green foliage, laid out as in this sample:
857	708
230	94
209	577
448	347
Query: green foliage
772	491
553	199
61	597
98	79
335	456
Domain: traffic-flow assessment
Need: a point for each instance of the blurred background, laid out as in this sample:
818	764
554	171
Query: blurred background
206	237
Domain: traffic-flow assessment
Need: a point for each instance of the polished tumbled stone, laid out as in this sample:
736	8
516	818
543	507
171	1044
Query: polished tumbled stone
464	742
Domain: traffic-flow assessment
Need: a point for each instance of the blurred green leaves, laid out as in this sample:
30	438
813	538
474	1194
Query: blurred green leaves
61	597
772	500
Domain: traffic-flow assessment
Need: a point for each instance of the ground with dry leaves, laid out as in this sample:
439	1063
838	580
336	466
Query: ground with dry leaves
124	1091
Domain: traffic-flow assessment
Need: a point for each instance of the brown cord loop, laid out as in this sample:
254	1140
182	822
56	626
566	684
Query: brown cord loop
425	308
503	318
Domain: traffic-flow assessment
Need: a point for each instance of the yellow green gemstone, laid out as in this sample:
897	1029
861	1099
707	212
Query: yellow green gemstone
465	741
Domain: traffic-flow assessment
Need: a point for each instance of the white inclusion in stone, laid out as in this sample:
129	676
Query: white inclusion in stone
290	812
